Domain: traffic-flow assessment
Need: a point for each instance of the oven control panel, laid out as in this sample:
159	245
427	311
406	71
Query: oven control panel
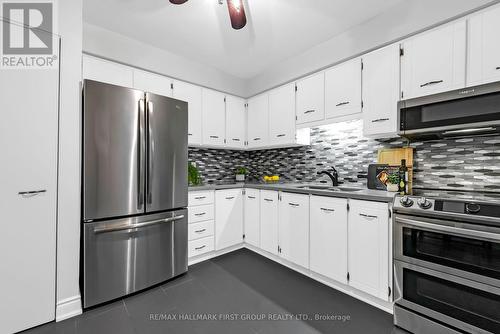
414	202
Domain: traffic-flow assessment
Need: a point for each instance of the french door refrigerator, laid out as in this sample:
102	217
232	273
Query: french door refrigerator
134	196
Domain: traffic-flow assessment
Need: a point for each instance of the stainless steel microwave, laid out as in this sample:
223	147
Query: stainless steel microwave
464	112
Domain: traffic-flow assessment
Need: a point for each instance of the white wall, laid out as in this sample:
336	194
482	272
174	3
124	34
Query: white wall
406	18
107	44
68	224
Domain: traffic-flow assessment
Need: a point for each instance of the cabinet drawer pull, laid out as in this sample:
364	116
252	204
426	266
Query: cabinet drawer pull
293	204
431	83
498	68
251	197
190	134
200	197
31	193
327	210
201	231
268	200
215	137
342	104
200	214
380	120
368	216
282	135
309	111
236	139
198	248
232	197
258	138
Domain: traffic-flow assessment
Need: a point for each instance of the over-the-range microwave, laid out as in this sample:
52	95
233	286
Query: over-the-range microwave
463	112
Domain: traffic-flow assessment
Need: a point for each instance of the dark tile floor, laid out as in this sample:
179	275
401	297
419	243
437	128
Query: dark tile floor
239	284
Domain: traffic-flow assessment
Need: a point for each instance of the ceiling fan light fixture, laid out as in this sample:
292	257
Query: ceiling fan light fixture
237	13
178	2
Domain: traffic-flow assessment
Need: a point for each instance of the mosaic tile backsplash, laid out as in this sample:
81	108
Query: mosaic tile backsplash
458	164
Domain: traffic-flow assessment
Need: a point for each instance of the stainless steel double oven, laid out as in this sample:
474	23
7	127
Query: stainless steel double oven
447	268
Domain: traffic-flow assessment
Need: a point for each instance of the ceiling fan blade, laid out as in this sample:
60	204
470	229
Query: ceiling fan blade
237	13
178	2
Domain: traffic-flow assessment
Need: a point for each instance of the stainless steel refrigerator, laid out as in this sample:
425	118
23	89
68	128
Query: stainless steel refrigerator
134	197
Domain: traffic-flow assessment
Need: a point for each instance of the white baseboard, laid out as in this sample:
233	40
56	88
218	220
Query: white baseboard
68	308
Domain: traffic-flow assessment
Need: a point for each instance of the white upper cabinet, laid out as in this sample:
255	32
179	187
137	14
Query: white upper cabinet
282	115
192	95
228	218
235	122
213	118
269	221
381	92
368	247
294	228
152	83
434	61
343	89
108	72
252	217
484	47
329	237
258	121
311	98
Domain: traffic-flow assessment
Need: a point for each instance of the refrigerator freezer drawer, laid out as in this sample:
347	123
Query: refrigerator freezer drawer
123	256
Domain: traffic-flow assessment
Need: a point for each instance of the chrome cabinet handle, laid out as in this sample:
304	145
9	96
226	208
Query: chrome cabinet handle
125	226
293	204
201	231
200	197
236	139
368	216
232	197
380	120
268	200
309	111
141	154
342	104
498	68
151	152
327	210
431	83
258	138
190	134
251	197
200	214
198	248
215	137
31	193
282	135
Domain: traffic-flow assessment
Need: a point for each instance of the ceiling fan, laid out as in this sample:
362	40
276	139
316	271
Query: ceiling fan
236	12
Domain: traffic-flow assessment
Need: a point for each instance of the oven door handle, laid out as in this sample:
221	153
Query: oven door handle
464	232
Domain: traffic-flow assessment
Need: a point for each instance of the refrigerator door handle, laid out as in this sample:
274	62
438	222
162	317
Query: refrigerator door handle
151	146
141	153
126	226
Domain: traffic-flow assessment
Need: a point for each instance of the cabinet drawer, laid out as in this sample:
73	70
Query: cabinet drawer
200	198
200	246
200	230
201	213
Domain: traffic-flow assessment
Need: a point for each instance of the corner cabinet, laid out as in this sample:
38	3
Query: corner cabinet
258	121
311	98
328	229
235	122
269	221
252	216
483	47
381	92
343	89
213	118
228	218
294	228
368	248
192	95
434	61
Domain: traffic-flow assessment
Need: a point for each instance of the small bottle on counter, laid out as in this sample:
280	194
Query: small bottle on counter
403	178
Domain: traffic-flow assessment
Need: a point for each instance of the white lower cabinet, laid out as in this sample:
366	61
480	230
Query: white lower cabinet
252	217
368	247
269	221
200	222
294	228
328	229
228	218
200	246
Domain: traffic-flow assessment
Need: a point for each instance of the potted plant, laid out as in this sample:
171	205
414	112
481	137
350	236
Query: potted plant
194	178
393	182
241	172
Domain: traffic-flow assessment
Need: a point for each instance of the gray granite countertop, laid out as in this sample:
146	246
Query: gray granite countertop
363	194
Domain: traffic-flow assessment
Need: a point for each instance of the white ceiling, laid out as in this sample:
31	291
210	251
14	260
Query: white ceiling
200	30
